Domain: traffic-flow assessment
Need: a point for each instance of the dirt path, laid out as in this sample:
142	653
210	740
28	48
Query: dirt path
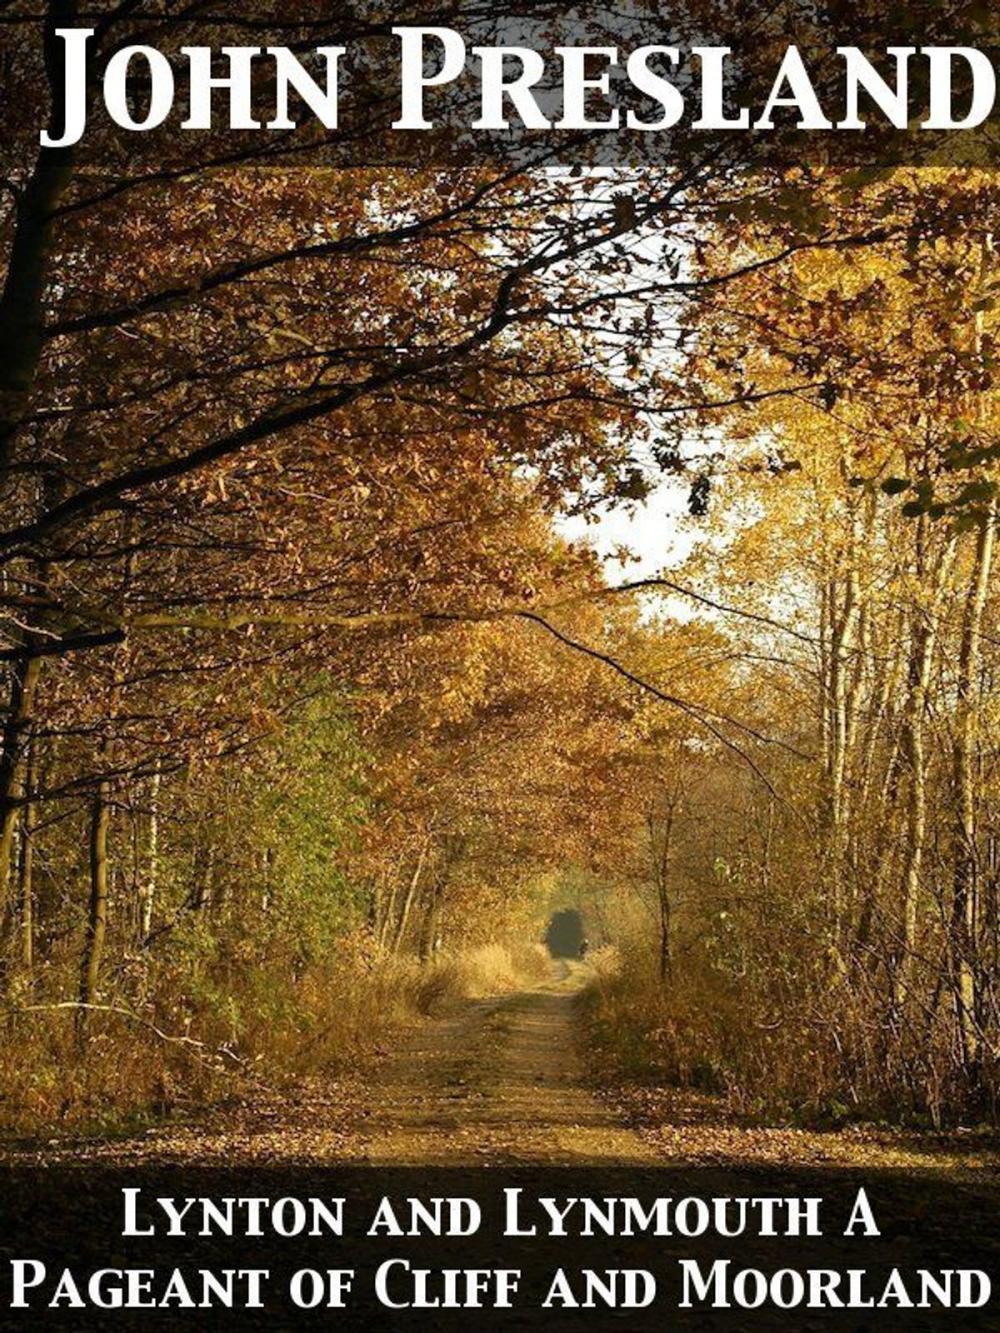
500	1082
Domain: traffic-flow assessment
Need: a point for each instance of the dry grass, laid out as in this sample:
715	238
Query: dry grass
490	969
768	1042
195	1031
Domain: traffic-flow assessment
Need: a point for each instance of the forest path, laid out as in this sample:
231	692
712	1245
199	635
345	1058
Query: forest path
500	1081
503	1081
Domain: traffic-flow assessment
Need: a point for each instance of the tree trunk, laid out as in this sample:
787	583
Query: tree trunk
97	915
22	324
388	910
914	750
965	874
404	915
843	648
27	888
147	897
100	819
843	689
661	850
663	897
204	889
432	916
24	682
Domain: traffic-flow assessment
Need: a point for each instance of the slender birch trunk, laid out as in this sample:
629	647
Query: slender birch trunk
147	897
914	752
965	875
404	915
843	704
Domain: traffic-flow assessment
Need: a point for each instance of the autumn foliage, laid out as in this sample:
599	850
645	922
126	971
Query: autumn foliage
307	688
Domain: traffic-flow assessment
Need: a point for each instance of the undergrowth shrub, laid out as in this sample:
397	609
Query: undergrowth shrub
198	1024
782	1043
